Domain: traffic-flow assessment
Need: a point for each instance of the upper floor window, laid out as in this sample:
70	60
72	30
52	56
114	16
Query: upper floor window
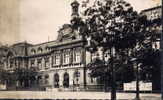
11	63
47	64
56	59
39	63
32	63
77	56
66	57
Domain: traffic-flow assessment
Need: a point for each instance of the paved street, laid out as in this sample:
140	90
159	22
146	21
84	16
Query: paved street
72	95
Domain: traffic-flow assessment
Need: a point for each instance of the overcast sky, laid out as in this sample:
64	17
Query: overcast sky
36	20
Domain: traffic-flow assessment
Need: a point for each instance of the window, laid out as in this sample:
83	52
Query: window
40	50
39	80
77	57
47	62
76	78
66	58
66	80
47	48
32	63
11	63
33	51
56	59
39	63
56	80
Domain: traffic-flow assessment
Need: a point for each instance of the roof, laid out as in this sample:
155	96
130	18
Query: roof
45	43
149	9
22	43
75	2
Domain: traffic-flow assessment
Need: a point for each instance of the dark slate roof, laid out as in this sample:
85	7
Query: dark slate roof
149	9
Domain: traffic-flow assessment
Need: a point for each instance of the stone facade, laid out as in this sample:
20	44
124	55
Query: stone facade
60	63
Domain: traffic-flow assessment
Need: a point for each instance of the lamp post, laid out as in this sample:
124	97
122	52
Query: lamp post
106	59
113	83
161	47
137	82
137	78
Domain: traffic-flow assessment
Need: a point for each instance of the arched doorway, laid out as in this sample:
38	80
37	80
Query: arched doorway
39	80
66	80
56	80
46	79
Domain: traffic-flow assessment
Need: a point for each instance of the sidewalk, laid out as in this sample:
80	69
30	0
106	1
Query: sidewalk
73	95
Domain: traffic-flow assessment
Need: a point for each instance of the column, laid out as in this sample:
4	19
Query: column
43	63
71	76
71	56
84	66
60	78
61	57
50	61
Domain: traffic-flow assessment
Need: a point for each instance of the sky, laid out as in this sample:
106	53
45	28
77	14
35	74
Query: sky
37	21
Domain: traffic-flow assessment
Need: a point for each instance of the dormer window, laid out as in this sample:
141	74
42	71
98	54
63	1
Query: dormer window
40	50
47	48
33	51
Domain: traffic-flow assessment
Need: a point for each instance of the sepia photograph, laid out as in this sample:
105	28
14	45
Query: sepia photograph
81	50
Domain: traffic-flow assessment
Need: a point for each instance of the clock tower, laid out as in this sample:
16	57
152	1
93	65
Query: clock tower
75	8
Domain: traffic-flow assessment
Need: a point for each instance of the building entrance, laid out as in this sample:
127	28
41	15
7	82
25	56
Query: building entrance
66	80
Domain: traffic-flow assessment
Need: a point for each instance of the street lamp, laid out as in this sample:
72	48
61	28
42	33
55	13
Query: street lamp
113	83
106	59
137	78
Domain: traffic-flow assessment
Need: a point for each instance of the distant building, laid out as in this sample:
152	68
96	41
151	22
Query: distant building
153	13
154	16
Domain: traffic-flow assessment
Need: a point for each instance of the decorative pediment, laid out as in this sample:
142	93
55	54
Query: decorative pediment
67	33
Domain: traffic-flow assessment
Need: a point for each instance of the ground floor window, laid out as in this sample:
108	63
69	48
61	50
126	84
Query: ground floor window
76	78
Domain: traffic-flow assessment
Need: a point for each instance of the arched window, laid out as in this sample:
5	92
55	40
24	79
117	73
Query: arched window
56	80
40	50
47	48
66	80
39	80
33	51
46	79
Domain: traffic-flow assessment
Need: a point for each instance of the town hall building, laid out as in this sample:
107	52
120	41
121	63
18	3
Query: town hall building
60	63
